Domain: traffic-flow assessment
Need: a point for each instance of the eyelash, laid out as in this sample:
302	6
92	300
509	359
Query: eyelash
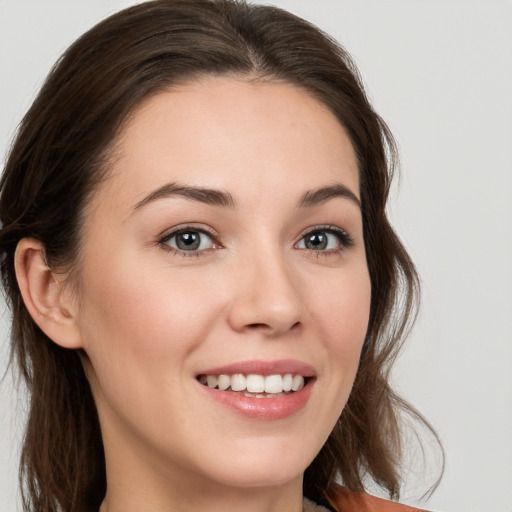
344	238
163	242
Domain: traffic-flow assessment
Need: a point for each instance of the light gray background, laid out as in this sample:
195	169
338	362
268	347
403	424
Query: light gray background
440	73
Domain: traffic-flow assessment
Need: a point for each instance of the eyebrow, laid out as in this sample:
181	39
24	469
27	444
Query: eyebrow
215	197
209	196
323	194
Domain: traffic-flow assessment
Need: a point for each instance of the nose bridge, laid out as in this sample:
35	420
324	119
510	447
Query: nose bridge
267	296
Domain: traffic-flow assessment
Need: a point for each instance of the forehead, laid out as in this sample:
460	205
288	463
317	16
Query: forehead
227	133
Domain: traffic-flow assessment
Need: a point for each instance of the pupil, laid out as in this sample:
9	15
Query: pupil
316	241
188	241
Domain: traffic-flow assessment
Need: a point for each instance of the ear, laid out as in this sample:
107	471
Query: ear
45	296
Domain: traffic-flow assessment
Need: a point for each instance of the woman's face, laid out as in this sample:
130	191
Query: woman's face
227	240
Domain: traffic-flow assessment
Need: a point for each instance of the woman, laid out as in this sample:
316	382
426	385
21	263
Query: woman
206	292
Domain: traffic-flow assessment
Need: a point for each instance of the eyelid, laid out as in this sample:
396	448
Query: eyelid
183	228
189	226
345	239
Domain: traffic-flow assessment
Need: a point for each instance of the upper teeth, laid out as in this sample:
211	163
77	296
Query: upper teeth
255	383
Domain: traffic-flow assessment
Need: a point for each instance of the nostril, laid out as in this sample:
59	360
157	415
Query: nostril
258	326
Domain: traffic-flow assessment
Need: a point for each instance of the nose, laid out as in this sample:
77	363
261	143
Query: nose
267	297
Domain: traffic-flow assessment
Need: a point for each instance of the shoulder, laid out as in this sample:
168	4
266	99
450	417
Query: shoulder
347	501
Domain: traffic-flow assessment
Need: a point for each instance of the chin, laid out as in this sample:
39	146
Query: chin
263	466
259	477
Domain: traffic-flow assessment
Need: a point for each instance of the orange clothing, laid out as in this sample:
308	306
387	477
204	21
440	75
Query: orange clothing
347	501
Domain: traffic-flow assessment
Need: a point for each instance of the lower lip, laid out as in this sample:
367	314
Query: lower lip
262	408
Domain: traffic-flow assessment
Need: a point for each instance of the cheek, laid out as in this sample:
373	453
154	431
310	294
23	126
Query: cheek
345	307
134	302
343	314
146	321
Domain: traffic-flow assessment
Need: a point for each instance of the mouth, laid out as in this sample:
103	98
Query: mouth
260	390
254	385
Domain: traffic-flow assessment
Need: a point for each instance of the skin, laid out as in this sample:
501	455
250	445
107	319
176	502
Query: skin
150	318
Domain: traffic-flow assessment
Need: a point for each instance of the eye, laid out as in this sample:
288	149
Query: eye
324	239
188	240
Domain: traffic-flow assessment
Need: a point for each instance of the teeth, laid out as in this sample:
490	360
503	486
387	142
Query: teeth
211	380
238	382
273	384
255	383
224	382
298	383
255	386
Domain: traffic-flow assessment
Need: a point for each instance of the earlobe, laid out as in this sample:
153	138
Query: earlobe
44	295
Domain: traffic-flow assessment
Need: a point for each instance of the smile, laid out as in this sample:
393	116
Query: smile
255	385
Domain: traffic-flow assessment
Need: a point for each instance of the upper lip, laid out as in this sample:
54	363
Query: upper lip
260	367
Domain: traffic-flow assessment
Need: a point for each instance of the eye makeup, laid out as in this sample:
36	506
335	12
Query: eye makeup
193	240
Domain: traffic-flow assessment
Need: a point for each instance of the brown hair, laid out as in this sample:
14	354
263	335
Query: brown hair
61	153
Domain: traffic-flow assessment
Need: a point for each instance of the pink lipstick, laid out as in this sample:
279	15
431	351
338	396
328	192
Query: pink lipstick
265	390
